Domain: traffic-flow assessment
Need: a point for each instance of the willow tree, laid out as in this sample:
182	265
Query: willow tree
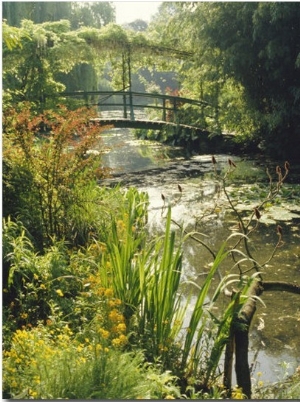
44	50
79	13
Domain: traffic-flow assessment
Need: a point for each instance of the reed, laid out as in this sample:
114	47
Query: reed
198	320
145	275
126	249
162	310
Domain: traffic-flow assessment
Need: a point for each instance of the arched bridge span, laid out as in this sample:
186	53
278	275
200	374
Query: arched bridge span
127	108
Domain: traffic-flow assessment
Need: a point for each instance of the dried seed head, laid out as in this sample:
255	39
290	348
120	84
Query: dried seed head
179	188
231	163
163	197
279	230
257	213
286	165
213	159
278	169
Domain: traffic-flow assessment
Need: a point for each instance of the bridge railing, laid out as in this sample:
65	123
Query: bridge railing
129	101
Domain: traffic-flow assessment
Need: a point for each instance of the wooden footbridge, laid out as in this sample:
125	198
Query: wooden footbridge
153	111
127	108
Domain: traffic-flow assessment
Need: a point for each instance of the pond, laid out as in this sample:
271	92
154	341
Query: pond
189	184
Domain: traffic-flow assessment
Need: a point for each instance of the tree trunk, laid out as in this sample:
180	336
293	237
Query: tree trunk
241	336
242	325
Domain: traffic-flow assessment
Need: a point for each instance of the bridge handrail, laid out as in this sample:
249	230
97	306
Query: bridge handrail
173	98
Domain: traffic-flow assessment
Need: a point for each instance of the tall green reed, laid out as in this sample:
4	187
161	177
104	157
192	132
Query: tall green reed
125	244
198	320
145	274
162	311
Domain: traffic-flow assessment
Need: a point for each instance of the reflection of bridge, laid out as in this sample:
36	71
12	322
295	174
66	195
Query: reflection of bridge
130	104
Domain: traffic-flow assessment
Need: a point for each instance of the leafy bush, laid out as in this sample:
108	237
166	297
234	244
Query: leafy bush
49	175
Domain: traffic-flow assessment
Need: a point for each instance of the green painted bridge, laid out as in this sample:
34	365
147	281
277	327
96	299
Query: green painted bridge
131	109
144	124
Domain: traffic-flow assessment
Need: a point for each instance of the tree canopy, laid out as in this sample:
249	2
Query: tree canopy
79	13
247	59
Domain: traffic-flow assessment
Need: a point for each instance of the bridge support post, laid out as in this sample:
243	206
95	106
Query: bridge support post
174	111
164	117
124	107
131	106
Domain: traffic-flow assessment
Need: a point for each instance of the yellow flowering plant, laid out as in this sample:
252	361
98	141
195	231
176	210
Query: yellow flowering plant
46	363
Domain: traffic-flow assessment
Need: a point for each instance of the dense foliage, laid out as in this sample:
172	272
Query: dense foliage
92	302
87	13
78	14
246	61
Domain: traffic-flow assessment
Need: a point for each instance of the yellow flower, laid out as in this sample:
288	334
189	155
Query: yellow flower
109	292
237	393
111	303
116	342
169	397
32	393
59	292
123	339
121	327
67	330
79	348
103	333
115	316
14	384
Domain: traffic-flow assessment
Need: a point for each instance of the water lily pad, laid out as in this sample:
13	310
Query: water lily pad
294	208
245	207
267	220
281	214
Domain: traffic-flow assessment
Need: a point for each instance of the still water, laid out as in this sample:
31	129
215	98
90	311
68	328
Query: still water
189	184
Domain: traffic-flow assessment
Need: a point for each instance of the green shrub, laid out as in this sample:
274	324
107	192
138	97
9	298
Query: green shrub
48	175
